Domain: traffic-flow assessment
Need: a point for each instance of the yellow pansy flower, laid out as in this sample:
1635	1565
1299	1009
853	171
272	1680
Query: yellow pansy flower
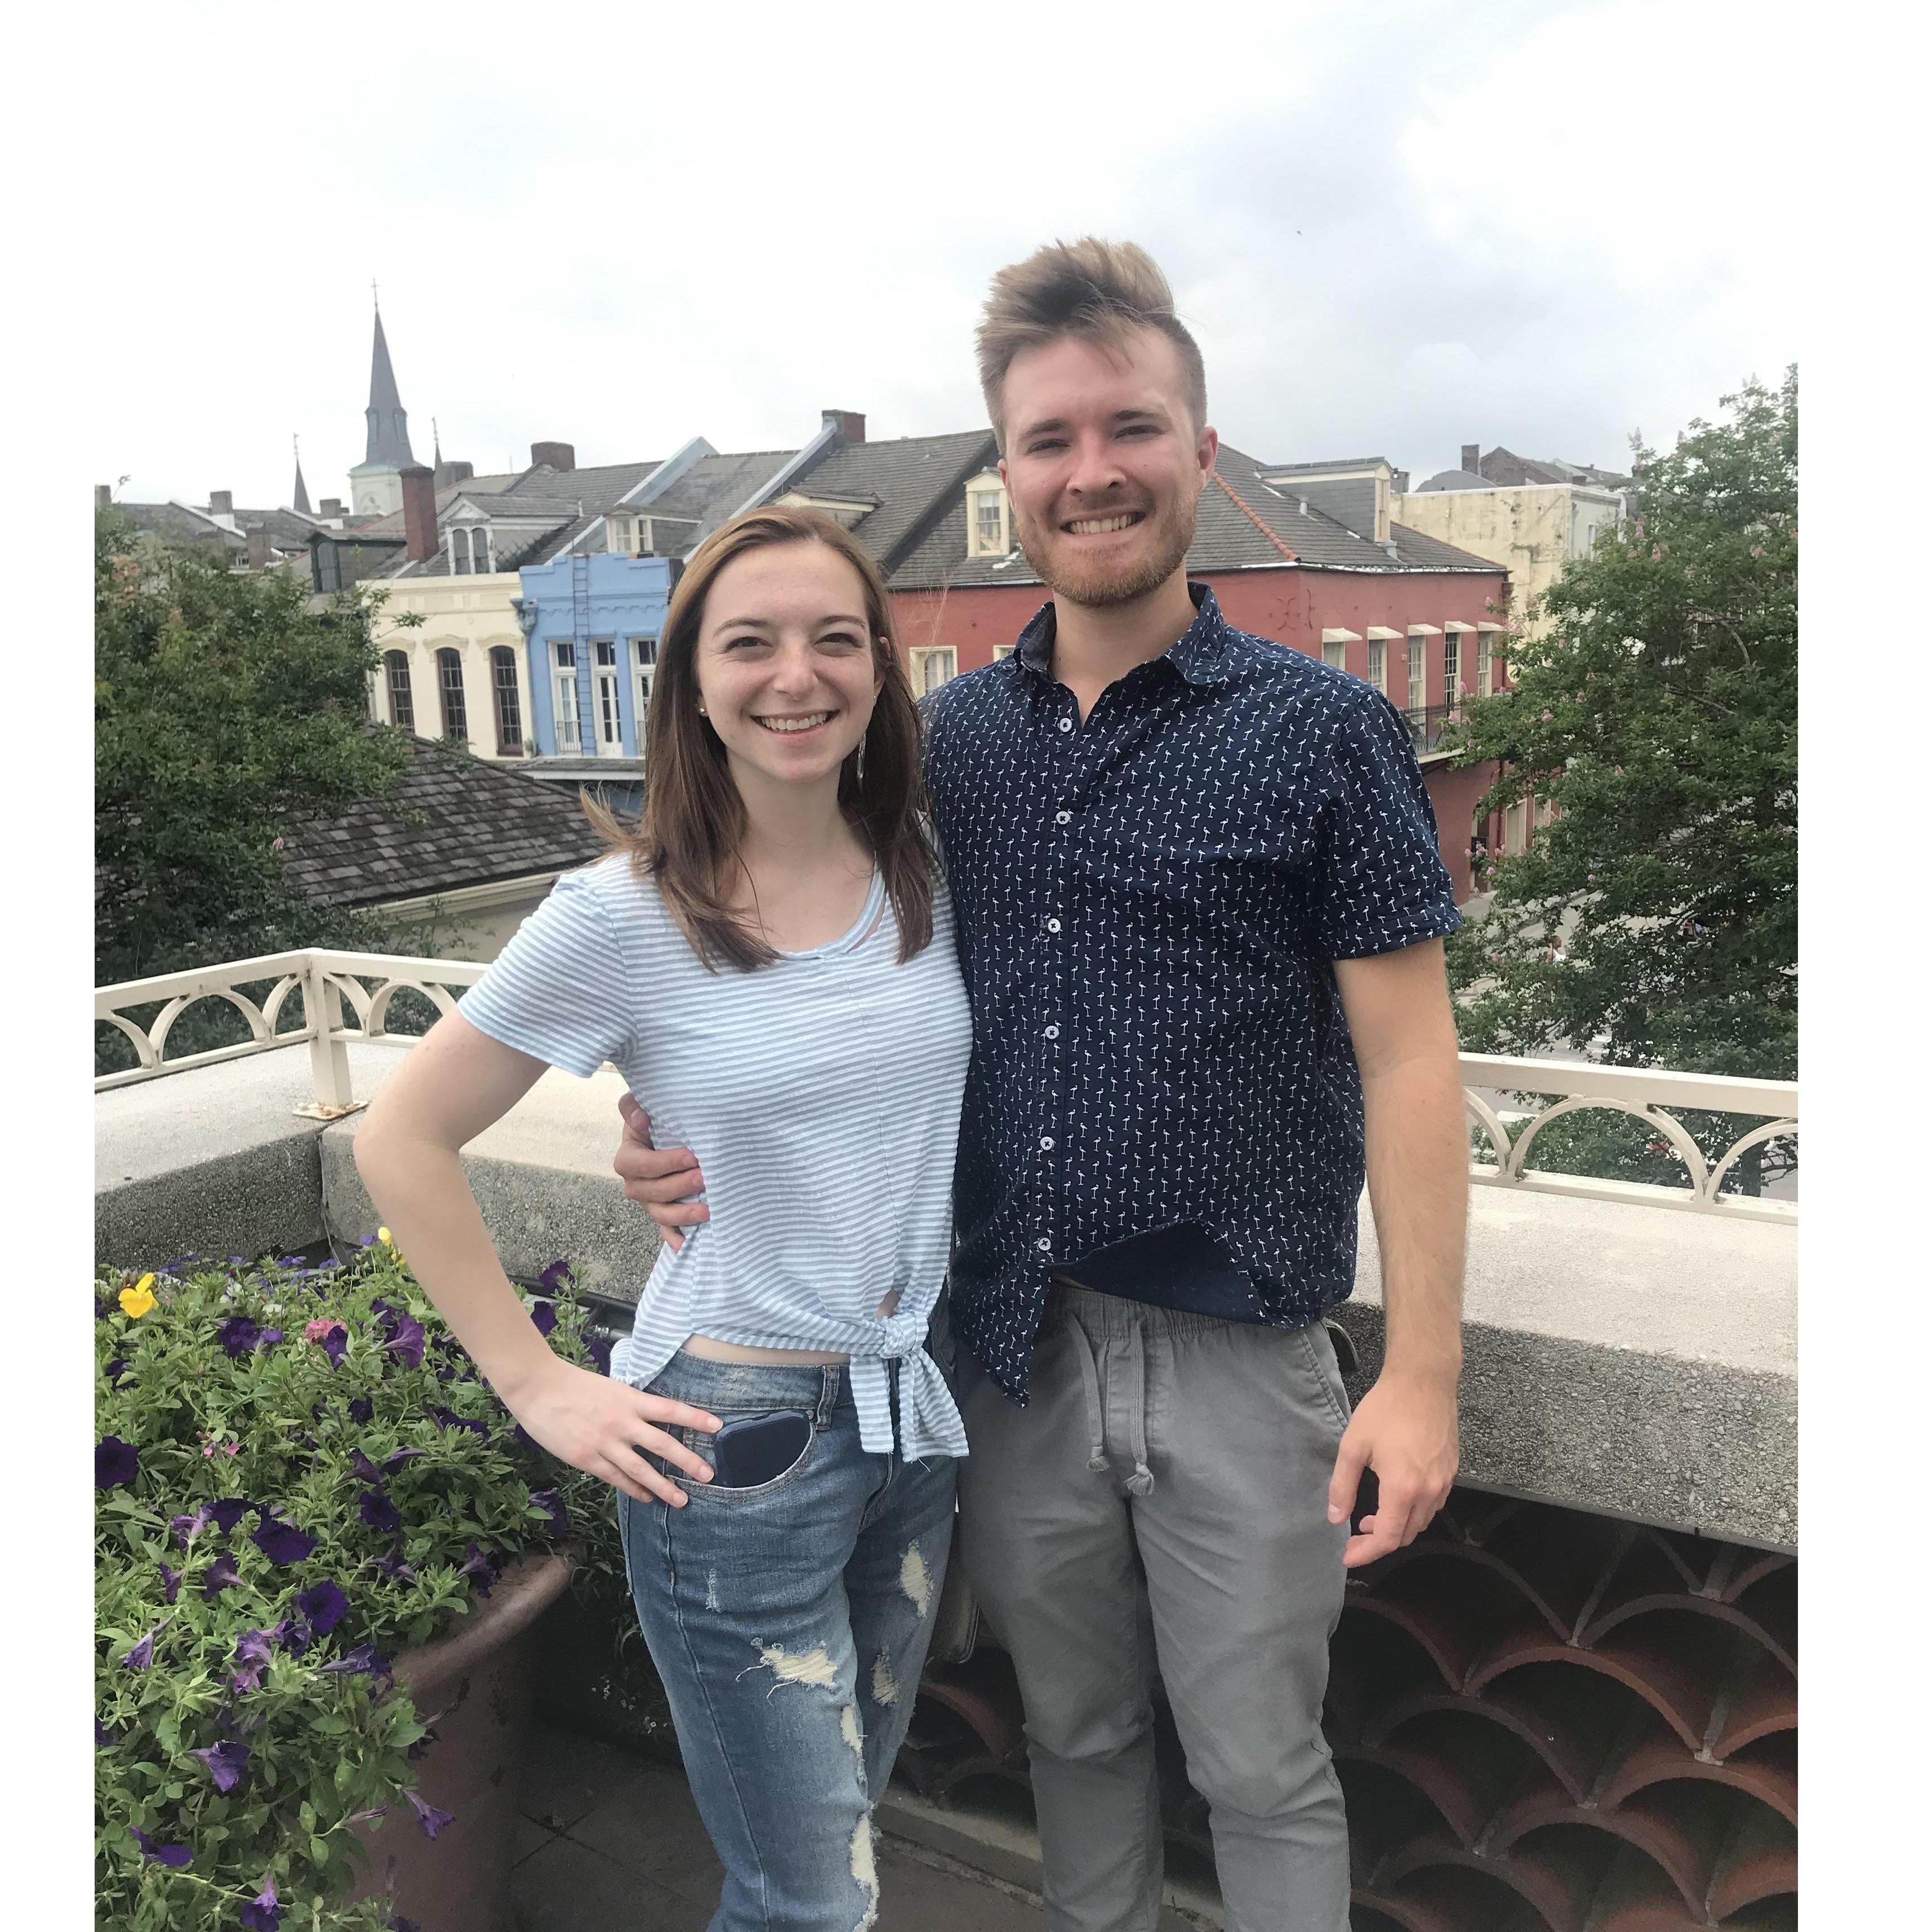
135	1301
383	1234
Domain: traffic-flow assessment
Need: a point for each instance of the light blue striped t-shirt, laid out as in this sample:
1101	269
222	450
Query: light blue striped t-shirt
820	1095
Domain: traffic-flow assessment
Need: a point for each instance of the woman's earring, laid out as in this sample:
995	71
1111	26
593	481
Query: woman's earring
702	712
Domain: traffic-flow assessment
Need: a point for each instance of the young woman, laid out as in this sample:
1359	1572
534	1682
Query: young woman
769	961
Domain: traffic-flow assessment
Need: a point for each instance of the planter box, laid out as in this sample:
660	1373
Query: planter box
479	1678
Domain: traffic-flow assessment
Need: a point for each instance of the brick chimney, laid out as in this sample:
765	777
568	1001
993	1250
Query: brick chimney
848	423
221	502
332	506
103	496
1472	458
259	554
419	482
558	455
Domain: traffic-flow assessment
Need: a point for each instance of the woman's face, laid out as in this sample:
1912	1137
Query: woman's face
784	663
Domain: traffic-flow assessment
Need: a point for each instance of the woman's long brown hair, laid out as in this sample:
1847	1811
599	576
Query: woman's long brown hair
694	819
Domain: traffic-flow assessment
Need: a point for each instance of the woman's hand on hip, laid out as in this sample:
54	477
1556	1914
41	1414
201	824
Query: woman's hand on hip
605	1427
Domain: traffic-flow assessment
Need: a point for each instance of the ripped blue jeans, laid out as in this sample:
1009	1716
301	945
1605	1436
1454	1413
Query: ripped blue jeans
789	1623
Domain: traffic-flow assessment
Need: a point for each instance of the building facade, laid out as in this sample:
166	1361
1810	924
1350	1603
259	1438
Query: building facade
591	624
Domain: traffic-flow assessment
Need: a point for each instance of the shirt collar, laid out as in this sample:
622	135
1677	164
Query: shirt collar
1199	654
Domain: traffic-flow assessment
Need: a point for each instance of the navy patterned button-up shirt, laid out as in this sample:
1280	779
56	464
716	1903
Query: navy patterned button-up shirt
1148	902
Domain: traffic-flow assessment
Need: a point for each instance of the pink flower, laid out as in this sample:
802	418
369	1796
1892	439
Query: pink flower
322	1326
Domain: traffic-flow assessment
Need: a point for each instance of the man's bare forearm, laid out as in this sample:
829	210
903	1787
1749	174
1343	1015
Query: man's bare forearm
1418	1173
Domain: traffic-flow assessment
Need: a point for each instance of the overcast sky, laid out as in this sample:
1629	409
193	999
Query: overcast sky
1394	229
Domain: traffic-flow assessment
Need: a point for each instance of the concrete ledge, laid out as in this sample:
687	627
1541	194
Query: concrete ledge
1633	1360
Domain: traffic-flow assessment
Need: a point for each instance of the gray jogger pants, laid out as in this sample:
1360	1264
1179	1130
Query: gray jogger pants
1197	1452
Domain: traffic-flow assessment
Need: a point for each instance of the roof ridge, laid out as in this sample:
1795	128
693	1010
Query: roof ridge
1247	511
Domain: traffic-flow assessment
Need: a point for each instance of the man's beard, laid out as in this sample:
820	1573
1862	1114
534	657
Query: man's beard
1099	585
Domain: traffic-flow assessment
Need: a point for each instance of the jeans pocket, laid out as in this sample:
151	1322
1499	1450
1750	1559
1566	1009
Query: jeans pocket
1319	1352
704	1445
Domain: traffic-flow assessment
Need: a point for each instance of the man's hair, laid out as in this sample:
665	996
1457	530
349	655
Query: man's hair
1100	290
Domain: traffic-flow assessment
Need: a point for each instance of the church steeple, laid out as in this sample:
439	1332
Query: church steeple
300	500
389	420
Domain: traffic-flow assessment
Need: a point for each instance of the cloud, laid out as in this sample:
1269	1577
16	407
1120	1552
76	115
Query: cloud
1395	231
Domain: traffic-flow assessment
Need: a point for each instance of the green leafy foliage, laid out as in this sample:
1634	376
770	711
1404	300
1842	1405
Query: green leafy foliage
226	712
300	1476
1660	715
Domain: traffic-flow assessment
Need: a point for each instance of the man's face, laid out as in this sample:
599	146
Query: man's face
1103	464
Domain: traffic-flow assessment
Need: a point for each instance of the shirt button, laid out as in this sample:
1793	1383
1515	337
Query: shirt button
1053	1032
1053	925
1046	1143
1066	724
1044	1245
1063	818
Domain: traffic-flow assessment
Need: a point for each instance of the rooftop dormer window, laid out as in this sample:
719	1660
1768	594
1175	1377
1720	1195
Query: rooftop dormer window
472	551
989	516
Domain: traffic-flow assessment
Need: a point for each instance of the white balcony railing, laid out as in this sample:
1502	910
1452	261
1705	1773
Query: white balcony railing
331	982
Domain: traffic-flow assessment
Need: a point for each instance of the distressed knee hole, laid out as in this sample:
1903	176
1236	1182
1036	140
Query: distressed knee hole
865	1871
916	1580
885	1685
811	1666
848	1728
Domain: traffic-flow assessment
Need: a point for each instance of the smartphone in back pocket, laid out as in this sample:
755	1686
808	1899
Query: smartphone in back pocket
753	1449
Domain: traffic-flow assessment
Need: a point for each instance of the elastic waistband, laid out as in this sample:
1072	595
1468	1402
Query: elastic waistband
1109	1315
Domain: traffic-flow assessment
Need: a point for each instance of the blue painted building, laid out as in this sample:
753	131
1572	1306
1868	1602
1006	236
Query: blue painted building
591	625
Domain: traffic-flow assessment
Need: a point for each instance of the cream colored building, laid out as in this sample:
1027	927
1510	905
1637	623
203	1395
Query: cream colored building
461	673
1533	529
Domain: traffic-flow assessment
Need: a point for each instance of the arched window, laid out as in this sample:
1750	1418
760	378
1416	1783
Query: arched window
449	686
402	706
509	709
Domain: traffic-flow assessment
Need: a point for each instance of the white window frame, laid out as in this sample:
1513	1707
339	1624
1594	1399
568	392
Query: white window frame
607	712
645	651
1418	673
563	695
978	491
1003	651
1335	655
1452	667
927	659
1482	661
1378	663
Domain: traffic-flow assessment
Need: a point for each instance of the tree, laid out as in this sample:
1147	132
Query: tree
226	711
1660	716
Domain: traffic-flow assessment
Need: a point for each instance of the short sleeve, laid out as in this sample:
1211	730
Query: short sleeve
1380	883
558	991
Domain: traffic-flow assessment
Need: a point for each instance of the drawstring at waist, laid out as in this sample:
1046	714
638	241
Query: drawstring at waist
1140	1483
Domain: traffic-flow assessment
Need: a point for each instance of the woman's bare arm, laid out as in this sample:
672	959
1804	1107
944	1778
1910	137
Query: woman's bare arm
451	1086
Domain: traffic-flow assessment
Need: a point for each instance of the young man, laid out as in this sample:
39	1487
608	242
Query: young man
1200	910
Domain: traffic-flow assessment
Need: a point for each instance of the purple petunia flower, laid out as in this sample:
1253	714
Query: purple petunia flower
431	1819
187	1528
225	1761
335	1345
263	1912
365	1659
176	1856
479	1566
400	1923
396	1458
543	1317
554	1276
393	1566
270	1337
551	1501
525	1439
114	1371
170	1584
252	1652
361	1409
448	1418
293	1633
325	1606
227	1511
115	1463
281	1543
365	1470
600	1347
103	1736
142	1654
378	1512
238	1336
406	1341
219	1575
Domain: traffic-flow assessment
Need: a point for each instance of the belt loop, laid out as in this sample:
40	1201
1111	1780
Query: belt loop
828	1397
1090	1377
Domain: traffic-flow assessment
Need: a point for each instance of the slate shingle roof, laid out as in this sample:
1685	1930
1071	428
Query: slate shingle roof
480	821
907	479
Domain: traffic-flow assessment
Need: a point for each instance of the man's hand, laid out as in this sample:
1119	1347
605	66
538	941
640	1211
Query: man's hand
1405	1432
661	1178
